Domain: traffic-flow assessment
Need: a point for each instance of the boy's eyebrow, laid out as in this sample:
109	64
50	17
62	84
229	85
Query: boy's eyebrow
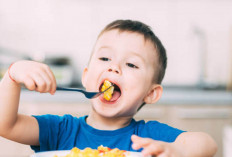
104	47
136	54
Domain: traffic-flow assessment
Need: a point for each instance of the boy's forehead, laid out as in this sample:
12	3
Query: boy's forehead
132	40
111	34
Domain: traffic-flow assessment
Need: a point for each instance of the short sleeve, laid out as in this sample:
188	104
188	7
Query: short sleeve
48	132
162	132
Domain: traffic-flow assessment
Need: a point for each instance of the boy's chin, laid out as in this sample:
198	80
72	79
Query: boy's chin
109	114
105	110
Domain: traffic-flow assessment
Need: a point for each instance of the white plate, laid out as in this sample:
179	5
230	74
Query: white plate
63	153
51	153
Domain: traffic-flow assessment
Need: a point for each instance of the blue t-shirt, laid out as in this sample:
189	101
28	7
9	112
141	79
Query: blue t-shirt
66	132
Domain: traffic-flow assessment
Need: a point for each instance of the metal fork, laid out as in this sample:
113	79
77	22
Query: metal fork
89	95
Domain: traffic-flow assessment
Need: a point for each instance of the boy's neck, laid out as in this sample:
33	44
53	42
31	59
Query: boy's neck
105	123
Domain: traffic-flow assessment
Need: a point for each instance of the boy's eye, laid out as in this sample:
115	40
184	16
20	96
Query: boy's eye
104	59
131	65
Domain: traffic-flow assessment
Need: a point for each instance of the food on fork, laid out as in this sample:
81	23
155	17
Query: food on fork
109	92
101	151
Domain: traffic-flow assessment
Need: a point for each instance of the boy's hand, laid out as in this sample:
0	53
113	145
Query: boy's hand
154	148
35	76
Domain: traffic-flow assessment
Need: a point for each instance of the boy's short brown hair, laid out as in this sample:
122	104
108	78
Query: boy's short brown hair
145	30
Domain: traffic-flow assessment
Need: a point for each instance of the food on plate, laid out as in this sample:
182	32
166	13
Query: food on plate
109	92
101	151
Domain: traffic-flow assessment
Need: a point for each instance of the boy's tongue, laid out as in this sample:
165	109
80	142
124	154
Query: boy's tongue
115	96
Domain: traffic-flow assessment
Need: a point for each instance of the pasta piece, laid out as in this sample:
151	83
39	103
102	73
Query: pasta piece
109	92
101	151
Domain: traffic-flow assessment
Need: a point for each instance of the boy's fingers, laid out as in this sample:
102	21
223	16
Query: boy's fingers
53	79
153	149
136	144
39	82
137	139
163	155
48	82
150	147
29	83
134	138
139	142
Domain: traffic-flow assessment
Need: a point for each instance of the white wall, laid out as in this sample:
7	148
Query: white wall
190	31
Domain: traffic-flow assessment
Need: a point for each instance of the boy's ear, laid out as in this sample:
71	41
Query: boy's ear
154	94
84	78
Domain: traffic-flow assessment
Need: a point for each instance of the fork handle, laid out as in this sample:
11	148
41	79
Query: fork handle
68	89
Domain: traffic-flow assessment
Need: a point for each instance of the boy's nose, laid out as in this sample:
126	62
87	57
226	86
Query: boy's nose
115	69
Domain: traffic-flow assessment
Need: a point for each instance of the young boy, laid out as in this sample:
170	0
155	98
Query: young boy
132	58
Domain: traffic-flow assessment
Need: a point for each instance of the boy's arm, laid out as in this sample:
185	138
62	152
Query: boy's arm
194	144
35	76
187	144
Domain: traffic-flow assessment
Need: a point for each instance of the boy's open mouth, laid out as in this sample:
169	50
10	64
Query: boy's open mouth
115	94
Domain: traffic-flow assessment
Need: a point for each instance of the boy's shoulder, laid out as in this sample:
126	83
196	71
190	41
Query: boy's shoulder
49	119
150	123
153	124
157	130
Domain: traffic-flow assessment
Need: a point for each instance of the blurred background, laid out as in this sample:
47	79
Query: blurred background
61	33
